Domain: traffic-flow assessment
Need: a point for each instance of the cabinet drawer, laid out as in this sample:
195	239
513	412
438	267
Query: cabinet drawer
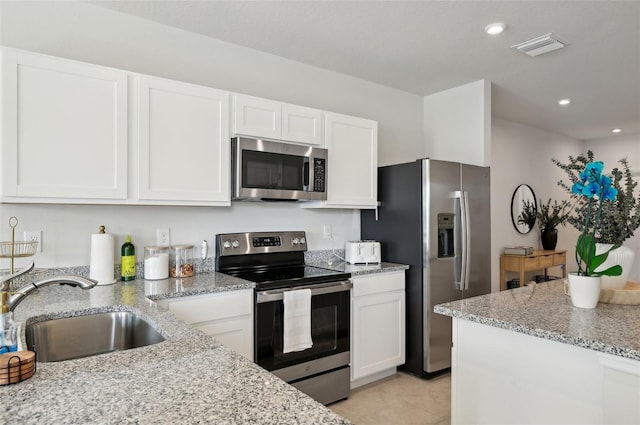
559	259
546	261
202	308
531	263
377	283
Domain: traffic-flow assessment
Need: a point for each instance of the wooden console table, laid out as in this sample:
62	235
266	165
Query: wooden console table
539	260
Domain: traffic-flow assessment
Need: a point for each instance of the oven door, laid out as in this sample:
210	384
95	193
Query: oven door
330	326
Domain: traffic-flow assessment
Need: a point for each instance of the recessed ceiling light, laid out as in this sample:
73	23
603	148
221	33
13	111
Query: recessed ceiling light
564	102
494	29
616	130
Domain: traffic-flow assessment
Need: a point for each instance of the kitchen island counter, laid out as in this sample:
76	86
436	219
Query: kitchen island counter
544	311
527	355
188	378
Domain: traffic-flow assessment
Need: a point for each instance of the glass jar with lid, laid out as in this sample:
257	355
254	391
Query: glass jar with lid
181	261
156	262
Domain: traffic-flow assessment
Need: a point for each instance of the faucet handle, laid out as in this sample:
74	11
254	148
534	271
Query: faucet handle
4	280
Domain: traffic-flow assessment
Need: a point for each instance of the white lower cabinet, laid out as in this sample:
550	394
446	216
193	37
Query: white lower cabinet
226	316
377	326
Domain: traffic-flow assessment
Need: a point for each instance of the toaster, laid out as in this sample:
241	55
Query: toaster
362	252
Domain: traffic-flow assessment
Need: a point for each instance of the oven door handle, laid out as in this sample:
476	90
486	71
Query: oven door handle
319	289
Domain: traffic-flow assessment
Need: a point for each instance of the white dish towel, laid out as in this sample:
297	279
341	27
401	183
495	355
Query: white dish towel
297	321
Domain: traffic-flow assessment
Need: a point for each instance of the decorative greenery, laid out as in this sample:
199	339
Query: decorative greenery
551	216
619	218
596	188
528	214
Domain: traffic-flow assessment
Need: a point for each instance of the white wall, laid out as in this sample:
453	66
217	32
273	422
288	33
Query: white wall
89	33
522	154
610	150
457	124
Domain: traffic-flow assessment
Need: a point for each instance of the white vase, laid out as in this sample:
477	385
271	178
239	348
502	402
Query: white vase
623	256
584	290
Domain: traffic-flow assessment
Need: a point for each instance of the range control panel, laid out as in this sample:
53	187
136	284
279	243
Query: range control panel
259	242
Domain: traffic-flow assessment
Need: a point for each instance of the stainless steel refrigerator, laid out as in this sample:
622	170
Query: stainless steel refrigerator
435	217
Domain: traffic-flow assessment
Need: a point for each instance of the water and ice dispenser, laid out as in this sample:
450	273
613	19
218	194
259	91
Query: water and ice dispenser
446	246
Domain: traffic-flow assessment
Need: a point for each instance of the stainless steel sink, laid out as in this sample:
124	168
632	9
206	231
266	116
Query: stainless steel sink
82	336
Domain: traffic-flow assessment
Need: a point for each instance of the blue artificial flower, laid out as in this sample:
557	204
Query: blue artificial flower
584	176
610	193
577	188
596	167
605	181
591	189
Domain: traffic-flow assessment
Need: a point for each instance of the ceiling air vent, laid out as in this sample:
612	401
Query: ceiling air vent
539	45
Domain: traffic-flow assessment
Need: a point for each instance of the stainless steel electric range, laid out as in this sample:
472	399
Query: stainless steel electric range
275	262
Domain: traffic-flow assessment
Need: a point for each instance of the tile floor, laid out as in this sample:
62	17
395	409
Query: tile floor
400	399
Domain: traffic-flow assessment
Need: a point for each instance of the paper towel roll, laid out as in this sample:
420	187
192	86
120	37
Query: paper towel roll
101	265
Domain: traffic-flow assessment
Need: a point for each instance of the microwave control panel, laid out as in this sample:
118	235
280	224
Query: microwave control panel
319	167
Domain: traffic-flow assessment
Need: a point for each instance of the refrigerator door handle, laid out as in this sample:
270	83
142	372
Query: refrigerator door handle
466	239
459	235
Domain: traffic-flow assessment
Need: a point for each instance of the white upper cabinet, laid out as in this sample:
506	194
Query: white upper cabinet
64	135
352	175
302	125
253	116
183	152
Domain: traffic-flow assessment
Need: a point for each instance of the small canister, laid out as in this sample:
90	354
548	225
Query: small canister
181	261
156	262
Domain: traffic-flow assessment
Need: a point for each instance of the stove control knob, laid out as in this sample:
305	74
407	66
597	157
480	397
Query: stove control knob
235	244
303	240
226	245
295	241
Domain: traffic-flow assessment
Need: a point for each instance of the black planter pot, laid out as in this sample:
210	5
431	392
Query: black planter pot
549	239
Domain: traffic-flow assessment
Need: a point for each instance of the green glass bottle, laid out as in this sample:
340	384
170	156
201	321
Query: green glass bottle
128	260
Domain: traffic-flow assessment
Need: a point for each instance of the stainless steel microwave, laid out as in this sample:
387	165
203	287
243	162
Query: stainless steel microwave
268	170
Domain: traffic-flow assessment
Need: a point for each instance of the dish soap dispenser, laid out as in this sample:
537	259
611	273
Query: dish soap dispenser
8	328
128	261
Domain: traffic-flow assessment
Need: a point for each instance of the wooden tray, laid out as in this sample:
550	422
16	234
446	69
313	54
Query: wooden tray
629	295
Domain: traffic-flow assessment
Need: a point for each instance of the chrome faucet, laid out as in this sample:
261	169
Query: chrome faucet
9	303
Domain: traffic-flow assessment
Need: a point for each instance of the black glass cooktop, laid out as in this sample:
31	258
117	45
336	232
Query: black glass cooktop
288	276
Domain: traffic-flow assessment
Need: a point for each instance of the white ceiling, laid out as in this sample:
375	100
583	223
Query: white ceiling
424	47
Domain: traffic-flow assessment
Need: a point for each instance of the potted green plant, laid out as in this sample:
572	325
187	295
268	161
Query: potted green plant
619	218
549	217
596	190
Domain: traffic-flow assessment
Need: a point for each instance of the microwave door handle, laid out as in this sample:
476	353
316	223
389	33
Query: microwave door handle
306	174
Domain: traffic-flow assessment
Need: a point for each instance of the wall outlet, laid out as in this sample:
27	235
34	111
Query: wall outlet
163	236
327	231
34	236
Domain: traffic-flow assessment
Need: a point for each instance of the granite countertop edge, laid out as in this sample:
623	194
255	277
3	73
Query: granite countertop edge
543	328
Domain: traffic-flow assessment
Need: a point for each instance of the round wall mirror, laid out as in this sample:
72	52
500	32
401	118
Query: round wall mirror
523	209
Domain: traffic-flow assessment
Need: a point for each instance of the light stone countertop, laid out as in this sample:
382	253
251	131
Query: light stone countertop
189	378
543	310
360	269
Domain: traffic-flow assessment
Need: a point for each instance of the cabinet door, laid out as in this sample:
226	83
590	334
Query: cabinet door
302	125
378	333
377	323
184	152
226	316
64	129
352	174
235	333
257	117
